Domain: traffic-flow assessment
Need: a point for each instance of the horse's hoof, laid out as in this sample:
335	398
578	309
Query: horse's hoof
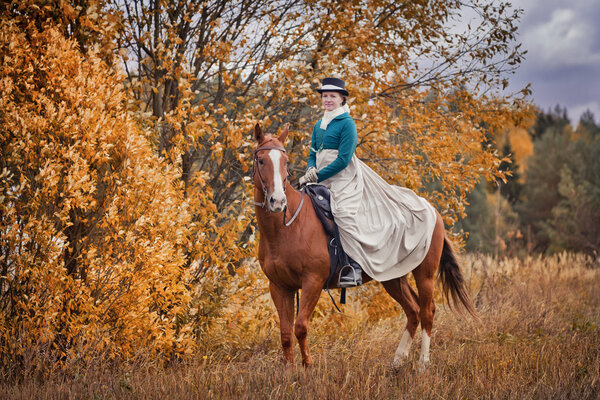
399	360
397	364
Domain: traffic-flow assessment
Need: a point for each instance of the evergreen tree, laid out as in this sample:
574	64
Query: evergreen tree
540	192
560	202
575	223
556	118
587	125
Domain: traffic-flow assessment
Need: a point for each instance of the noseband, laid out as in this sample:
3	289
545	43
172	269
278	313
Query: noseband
256	169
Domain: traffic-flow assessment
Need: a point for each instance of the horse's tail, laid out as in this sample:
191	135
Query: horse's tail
453	283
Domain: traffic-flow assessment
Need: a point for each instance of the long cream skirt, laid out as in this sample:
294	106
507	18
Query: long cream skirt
387	229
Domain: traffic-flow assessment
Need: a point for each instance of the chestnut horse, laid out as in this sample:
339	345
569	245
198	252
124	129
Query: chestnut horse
293	255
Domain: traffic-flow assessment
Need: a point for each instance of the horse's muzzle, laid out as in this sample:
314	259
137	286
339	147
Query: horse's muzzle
277	205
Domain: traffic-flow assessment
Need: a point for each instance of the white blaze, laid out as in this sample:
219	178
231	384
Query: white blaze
278	194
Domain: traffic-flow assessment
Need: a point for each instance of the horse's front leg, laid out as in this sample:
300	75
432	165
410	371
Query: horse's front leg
284	303
311	290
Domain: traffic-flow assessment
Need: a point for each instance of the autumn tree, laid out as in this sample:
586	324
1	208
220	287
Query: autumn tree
575	221
551	189
539	194
491	224
93	225
86	22
204	72
560	197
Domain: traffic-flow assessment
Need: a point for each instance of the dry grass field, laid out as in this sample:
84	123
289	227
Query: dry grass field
538	337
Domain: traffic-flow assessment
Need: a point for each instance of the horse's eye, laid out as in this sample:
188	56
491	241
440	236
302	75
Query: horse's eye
260	162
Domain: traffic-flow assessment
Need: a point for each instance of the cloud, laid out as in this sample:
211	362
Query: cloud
565	39
563	59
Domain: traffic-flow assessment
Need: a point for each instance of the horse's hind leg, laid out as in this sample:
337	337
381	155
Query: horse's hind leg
284	303
425	286
404	294
424	277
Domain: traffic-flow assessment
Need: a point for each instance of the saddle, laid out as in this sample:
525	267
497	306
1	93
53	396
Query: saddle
320	198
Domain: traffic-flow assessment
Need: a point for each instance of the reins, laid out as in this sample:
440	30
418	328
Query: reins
264	188
297	211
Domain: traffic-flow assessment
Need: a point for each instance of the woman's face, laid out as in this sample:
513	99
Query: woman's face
331	100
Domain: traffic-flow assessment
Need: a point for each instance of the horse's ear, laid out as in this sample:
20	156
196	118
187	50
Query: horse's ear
284	134
258	133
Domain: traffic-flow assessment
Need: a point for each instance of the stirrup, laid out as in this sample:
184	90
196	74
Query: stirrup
349	279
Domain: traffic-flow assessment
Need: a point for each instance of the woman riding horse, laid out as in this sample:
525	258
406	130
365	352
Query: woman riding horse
386	229
389	230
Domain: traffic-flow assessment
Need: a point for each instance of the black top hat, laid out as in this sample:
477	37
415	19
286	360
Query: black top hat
333	85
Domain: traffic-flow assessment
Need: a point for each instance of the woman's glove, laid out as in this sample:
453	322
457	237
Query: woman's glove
310	177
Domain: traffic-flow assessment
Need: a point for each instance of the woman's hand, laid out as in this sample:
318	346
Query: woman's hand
310	177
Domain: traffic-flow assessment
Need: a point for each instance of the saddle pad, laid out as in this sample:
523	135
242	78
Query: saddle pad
320	196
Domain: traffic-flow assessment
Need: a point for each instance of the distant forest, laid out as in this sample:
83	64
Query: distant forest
551	200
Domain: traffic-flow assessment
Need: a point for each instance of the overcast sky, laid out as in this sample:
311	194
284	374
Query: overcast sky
563	59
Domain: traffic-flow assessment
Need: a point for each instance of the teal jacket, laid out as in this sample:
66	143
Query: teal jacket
340	135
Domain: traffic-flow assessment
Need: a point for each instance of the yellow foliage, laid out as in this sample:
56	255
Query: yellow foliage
418	127
87	23
94	225
520	143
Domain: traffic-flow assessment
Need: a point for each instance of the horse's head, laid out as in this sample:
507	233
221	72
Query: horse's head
270	168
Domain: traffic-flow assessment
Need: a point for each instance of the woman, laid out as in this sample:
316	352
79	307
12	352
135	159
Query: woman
385	228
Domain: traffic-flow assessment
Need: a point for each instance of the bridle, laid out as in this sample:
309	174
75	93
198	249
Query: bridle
260	178
256	169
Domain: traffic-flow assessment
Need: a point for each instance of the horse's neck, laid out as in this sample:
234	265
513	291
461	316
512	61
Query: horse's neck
270	223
